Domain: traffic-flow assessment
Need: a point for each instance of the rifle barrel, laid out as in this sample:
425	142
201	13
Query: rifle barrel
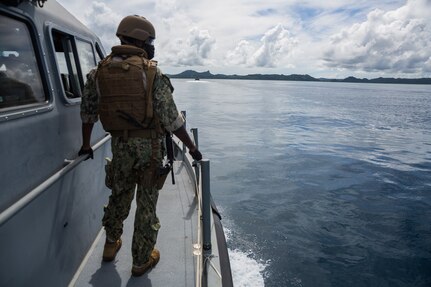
170	154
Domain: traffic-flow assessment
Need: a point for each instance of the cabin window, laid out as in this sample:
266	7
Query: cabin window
20	79
75	58
86	57
67	64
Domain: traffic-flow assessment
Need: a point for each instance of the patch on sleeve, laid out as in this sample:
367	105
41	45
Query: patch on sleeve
176	124
167	81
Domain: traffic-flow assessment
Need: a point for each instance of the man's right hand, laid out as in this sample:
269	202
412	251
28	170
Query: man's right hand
88	151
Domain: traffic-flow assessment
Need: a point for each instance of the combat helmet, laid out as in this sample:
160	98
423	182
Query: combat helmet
136	27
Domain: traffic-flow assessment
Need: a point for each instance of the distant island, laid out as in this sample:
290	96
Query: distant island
190	74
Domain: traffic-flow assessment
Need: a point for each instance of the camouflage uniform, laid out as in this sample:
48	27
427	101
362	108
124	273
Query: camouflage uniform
130	167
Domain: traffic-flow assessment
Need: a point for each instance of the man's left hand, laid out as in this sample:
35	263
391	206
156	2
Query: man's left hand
196	154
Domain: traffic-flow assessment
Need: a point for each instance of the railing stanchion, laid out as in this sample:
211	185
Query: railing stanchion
185	126
206	219
195	136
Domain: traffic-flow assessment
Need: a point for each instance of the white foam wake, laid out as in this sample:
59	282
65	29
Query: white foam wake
246	271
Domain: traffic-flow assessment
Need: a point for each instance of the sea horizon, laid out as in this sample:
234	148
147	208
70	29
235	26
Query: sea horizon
191	74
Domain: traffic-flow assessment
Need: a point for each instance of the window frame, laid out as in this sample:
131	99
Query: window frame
20	111
100	52
73	37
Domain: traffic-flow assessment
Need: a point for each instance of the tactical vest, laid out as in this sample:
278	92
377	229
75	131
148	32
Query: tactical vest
125	83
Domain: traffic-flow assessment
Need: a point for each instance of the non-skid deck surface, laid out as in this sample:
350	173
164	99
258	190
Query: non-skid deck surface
177	211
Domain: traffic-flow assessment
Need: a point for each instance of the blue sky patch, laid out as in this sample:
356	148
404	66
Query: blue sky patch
350	12
305	12
266	12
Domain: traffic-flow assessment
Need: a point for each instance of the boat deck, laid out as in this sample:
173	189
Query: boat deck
178	214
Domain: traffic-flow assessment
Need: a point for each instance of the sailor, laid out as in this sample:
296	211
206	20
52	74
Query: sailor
134	102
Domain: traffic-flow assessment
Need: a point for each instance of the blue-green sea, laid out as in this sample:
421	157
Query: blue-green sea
319	184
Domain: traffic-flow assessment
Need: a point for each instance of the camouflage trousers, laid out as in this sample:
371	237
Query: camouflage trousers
131	170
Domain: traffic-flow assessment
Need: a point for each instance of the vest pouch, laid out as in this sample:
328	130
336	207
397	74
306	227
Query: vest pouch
121	115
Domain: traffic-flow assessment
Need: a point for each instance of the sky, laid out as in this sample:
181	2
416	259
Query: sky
332	38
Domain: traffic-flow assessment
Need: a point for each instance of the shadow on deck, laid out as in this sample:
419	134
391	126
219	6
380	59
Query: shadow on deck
178	214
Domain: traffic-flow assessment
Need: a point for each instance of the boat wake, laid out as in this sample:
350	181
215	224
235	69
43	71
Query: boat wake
246	271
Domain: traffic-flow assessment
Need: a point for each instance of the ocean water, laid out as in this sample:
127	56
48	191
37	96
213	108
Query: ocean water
319	184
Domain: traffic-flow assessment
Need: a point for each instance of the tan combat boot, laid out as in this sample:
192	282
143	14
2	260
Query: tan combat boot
154	259
110	250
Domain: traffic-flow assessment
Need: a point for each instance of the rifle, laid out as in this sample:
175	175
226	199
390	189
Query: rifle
170	155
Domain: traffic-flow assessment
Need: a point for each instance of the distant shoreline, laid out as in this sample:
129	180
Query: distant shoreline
190	74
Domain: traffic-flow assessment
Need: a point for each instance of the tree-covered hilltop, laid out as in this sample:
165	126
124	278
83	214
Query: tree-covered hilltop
190	74
380	80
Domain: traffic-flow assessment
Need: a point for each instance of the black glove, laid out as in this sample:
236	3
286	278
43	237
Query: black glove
86	151
196	155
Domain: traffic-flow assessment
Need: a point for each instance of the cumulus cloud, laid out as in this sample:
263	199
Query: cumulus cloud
273	50
192	51
241	54
276	45
394	41
103	21
385	39
174	46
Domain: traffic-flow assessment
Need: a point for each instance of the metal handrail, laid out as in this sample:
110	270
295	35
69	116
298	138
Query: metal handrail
203	246
33	194
199	261
206	215
202	173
